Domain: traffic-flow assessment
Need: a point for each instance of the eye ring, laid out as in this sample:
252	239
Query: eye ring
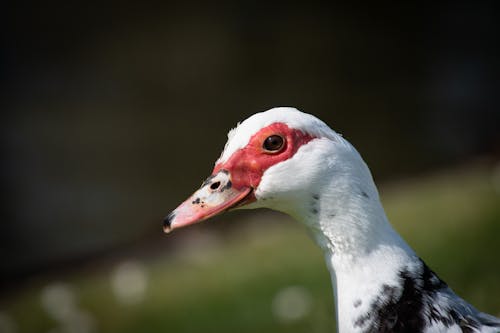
273	143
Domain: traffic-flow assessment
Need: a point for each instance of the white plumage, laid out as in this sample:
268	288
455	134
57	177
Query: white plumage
380	284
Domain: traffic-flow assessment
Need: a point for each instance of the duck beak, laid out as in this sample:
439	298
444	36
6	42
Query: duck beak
216	195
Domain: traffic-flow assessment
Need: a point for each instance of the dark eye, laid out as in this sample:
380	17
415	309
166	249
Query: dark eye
273	143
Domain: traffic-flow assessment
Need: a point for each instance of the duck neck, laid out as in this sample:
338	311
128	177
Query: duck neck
362	251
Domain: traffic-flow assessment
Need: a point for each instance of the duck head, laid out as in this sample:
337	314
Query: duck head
278	159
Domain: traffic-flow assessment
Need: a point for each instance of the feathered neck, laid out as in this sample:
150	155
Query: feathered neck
379	283
362	250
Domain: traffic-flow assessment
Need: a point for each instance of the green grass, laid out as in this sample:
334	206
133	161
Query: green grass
227	282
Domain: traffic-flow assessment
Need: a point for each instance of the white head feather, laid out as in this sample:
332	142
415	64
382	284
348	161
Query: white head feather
239	136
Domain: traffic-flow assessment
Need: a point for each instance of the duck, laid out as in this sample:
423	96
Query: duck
290	161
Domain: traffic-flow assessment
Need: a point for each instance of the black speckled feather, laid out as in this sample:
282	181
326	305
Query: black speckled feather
423	303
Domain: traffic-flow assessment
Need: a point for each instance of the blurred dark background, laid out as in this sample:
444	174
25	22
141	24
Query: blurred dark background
113	113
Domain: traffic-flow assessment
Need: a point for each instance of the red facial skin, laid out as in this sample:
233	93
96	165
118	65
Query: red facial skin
248	164
244	170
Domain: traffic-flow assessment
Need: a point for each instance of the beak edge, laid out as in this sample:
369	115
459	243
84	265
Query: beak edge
191	212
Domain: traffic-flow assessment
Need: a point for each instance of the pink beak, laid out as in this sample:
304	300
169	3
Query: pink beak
216	195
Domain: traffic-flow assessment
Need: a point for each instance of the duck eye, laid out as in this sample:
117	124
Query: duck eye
273	143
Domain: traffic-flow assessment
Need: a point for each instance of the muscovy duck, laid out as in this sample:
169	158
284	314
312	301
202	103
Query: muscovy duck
293	162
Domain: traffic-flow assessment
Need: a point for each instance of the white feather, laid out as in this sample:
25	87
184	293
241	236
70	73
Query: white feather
239	136
327	186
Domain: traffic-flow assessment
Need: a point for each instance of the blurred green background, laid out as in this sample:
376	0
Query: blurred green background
114	113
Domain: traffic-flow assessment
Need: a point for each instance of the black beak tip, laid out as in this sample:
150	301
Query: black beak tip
167	222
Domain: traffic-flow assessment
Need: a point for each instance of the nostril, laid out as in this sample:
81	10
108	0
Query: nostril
215	185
